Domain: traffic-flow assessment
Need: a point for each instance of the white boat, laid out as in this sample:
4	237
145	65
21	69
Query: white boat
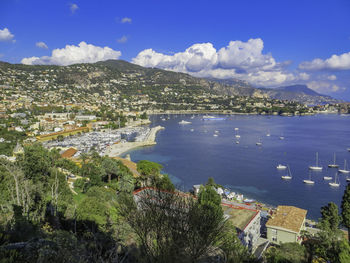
348	149
259	143
288	176
192	117
347	179
327	178
333	165
192	130
184	122
335	183
345	170
216	131
281	167
215	135
309	181
281	137
316	167
238	136
268	134
212	118
236	129
237	142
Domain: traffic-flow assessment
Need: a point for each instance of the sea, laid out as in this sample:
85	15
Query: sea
190	154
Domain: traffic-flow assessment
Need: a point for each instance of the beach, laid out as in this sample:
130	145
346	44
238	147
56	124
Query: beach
120	148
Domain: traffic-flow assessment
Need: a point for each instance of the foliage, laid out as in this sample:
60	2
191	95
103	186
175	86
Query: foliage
286	253
148	168
345	206
330	217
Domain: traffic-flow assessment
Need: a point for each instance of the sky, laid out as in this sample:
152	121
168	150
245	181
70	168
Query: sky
268	43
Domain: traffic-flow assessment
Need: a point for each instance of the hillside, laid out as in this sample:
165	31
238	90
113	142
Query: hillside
126	78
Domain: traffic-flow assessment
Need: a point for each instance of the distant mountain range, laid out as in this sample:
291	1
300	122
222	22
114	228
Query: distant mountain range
116	71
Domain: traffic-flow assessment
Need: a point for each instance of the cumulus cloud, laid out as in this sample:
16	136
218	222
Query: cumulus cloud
122	40
41	45
73	8
125	20
83	53
332	77
243	60
335	62
5	35
324	87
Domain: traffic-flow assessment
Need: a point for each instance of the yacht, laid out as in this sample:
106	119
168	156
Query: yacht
259	143
212	118
345	170
347	179
309	181
281	167
215	135
288	176
237	142
316	167
192	130
335	183
236	129
184	122
268	134
333	165
327	178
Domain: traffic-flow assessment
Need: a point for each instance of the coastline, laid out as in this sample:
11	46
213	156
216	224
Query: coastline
116	150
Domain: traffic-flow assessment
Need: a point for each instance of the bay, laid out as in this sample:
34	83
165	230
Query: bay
191	154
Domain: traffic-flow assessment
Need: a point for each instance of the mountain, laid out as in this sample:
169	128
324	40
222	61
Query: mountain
299	93
130	79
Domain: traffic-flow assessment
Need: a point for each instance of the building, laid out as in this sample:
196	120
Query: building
247	223
286	224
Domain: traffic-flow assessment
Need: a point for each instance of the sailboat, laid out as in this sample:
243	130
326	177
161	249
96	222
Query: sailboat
345	170
281	167
259	143
237	135
268	134
309	181
333	165
335	184
347	179
327	178
316	167
288	176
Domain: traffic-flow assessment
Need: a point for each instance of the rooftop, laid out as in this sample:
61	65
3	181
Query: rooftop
288	217
240	217
69	153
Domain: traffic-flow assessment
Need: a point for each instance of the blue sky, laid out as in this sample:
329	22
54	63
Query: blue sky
268	43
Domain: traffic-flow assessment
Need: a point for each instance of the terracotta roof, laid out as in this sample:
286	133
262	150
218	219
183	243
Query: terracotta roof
131	165
287	217
69	153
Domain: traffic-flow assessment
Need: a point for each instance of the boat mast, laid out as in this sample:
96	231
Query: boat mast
316	159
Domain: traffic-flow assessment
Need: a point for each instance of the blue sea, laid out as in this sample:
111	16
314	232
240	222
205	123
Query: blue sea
190	157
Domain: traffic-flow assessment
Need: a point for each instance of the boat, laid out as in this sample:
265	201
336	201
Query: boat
238	136
288	176
212	118
215	135
236	129
281	167
347	179
248	200
237	142
345	170
259	143
184	122
192	130
316	167
333	165
192	117
327	178
281	137
335	184
348	149
309	181
268	134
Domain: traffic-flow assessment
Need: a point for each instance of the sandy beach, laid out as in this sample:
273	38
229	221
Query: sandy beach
117	149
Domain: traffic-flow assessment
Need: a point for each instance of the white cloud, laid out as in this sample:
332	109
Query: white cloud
242	60
123	39
73	8
126	20
41	45
5	35
332	77
324	87
335	62
83	53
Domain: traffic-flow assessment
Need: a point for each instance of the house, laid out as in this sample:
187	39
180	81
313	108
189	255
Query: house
247	223
286	224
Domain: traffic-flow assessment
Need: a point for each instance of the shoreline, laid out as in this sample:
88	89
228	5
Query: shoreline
116	150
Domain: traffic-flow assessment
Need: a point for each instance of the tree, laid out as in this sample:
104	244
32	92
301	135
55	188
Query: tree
110	166
330	217
345	206
148	168
286	253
